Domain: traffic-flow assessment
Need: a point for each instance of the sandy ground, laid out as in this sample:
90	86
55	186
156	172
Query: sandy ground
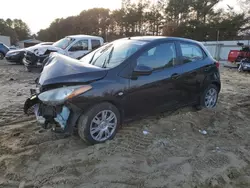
173	154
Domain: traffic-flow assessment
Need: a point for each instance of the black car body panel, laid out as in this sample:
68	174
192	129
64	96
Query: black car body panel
15	56
135	93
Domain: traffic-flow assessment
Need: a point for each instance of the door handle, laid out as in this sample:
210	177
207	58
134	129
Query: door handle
175	76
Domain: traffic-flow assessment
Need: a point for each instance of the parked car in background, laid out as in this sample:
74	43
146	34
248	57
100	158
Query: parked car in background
3	50
123	79
235	56
73	46
244	65
16	56
13	48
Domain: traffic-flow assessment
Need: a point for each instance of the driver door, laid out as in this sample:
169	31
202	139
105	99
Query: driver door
156	91
78	49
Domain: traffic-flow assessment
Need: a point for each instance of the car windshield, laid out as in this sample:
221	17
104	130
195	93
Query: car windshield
112	54
64	43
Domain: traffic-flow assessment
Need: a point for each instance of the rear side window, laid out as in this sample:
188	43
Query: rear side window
158	57
191	52
95	44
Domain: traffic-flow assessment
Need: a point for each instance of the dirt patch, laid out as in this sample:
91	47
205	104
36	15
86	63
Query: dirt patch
173	153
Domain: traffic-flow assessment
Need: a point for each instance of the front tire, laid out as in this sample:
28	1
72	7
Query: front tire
99	124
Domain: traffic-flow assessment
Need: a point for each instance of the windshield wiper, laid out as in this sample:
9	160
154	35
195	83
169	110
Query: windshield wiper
107	60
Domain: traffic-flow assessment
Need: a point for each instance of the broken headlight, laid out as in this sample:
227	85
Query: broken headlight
58	96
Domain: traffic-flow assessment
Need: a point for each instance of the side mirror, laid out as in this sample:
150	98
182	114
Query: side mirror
142	70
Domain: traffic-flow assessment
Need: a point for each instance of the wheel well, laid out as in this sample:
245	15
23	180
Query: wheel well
119	107
116	104
218	85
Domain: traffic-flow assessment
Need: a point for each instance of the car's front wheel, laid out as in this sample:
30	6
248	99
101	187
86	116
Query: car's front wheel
99	124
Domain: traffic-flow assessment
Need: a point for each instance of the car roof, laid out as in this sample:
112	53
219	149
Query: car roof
84	36
160	38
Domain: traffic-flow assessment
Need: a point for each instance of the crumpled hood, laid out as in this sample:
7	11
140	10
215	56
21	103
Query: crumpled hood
61	69
40	50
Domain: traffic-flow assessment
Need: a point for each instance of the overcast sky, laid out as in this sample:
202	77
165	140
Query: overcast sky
39	14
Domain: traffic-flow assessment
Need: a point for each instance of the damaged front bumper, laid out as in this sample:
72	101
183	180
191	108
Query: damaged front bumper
33	62
61	118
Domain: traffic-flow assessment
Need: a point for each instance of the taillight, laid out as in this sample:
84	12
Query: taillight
217	64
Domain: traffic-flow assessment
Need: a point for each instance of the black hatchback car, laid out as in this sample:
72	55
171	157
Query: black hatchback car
123	79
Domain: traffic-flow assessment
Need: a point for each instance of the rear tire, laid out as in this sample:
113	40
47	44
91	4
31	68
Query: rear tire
99	124
208	98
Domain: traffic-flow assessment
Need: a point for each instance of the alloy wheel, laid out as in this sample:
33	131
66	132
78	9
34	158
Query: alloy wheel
211	98
103	125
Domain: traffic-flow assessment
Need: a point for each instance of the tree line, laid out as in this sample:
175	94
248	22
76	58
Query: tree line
16	29
195	19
